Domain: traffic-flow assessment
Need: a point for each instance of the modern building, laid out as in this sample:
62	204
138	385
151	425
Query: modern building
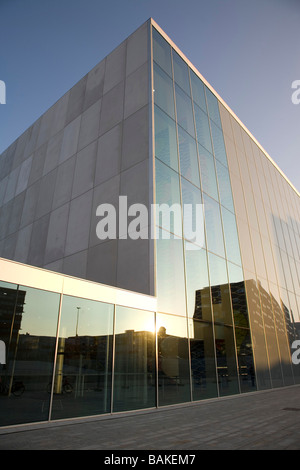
149	316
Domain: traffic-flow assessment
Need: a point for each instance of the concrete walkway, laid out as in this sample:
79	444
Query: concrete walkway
262	420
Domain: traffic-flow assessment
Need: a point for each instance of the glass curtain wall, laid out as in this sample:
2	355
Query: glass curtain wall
200	283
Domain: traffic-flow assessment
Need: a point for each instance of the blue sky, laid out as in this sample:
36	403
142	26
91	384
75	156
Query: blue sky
248	50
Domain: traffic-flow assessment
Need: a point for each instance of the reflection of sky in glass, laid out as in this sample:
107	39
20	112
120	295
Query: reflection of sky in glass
40	313
85	317
132	319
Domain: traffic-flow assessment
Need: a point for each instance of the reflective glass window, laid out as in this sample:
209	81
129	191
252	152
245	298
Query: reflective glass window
161	52
218	143
170	281
202	128
257	327
198	91
193	213
188	157
134	366
168	197
208	173
238	296
28	324
226	360
224	186
184	111
173	360
221	301
213	225
203	366
82	384
231	236
165	139
197	283
181	73
213	107
245	360
163	91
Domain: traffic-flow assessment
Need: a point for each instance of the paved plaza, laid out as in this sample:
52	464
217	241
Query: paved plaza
268	420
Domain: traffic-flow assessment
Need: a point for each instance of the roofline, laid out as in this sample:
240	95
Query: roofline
169	40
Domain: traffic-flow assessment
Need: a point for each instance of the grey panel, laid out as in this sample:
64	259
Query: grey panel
64	183
133	275
109	155
45	198
112	108
102	262
37	165
57	234
16	213
89	128
23	243
79	224
85	170
136	90
75	265
53	152
115	67
70	140
31	198
135	138
24	175
94	85
60	114
137	49
76	100
38	241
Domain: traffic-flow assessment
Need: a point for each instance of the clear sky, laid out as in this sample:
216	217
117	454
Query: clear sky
248	50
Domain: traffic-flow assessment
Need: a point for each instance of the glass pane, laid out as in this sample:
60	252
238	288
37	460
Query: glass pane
257	327
213	107
226	360
202	128
208	173
163	91
231	236
161	52
170	281
184	111
30	316
197	284
238	296
165	139
82	384
218	144
245	360
168	195
198	91
224	186
188	157
173	360
203	365
193	214
134	369
221	301
213	225
181	73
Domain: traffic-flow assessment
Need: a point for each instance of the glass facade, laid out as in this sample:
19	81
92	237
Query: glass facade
227	304
240	290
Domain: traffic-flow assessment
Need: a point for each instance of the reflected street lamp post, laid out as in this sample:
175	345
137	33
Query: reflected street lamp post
78	309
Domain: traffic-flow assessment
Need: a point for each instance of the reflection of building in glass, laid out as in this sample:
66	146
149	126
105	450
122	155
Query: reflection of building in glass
182	322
